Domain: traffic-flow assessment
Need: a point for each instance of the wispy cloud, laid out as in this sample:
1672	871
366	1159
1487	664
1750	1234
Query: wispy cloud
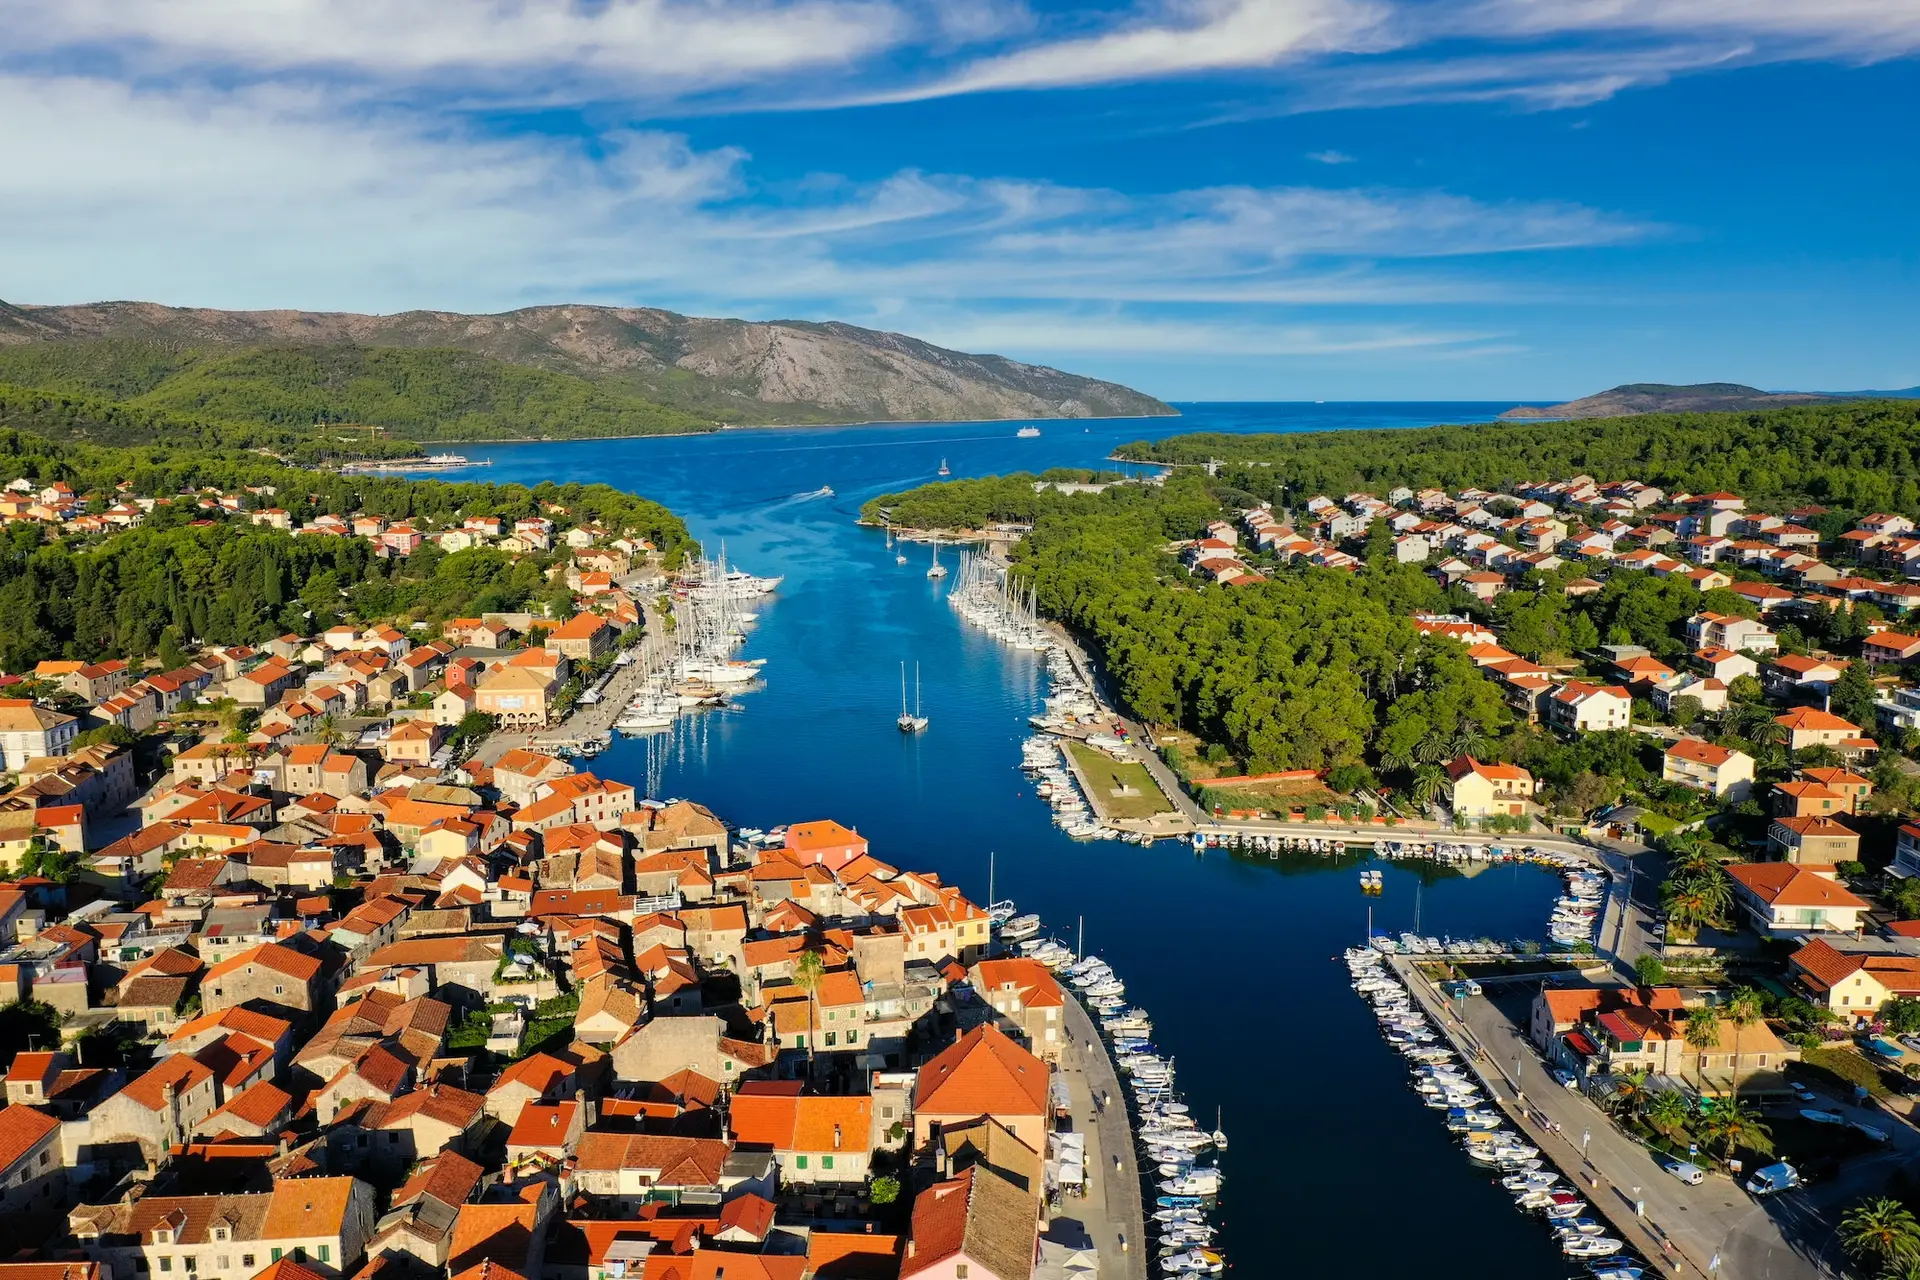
1329	157
265	197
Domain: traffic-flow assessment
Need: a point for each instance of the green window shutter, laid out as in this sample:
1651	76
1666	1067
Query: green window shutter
800	1162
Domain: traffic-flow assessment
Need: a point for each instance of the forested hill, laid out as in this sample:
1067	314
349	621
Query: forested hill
1862	455
731	371
189	574
419	395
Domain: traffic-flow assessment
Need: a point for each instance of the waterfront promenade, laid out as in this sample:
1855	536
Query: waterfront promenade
1686	1228
1113	1209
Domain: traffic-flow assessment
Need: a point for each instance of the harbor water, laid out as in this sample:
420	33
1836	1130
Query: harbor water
1335	1168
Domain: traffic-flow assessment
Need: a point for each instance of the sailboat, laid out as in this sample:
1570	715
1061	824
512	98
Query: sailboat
944	469
915	722
938	570
1219	1134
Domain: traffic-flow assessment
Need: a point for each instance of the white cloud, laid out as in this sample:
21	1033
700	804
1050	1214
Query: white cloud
267	198
638	46
1329	157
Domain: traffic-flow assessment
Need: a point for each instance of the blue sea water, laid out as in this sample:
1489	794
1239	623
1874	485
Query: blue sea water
1335	1168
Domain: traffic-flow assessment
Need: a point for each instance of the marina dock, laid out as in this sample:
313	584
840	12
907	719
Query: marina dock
1616	1175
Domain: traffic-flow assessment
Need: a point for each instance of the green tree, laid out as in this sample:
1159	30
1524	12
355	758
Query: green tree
1701	1028
1744	1012
1630	1097
809	970
1733	1124
885	1189
1880	1231
1668	1111
1651	969
1853	694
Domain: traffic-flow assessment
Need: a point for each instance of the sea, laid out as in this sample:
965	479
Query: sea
1334	1168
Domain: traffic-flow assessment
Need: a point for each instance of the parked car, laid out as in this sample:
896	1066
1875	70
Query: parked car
1801	1091
1687	1173
1567	1079
1773	1179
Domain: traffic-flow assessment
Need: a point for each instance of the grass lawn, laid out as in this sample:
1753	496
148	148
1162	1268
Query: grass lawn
1657	824
1119	790
1840	1069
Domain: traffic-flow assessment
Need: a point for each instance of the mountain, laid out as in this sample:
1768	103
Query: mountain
1660	397
719	371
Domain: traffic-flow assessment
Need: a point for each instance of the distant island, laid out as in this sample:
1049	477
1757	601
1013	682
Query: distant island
1696	397
1660	397
552	372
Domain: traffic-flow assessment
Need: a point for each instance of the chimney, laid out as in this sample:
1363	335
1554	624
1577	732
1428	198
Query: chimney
836	1137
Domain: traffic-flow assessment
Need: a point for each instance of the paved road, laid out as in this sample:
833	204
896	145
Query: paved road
1113	1206
1788	1237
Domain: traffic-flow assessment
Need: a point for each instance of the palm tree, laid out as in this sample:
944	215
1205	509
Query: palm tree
1743	1011
1702	1030
1630	1094
1693	904
1734	1124
1471	740
1668	1110
1880	1229
1429	780
808	970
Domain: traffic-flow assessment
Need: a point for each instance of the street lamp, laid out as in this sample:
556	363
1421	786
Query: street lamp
1586	1136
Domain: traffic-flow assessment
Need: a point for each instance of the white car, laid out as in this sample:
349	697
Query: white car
1801	1091
1567	1079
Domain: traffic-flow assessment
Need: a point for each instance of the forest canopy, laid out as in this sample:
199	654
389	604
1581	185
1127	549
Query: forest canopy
424	395
1860	455
182	578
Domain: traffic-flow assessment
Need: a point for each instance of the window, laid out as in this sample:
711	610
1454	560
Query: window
166	1264
799	1162
274	1255
853	1037
279	991
959	1271
193	1263
246	1260
833	1037
826	1162
326	1253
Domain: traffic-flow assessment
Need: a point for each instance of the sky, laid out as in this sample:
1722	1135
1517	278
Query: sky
1205	199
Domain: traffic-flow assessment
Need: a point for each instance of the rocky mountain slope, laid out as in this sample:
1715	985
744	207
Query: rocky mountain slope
1660	397
733	371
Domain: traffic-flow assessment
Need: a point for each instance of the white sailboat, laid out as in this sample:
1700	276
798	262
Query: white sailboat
914	722
938	570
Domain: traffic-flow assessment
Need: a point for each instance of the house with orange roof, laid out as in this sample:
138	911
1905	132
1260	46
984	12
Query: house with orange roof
311	1228
1813	841
984	1073
1026	1001
1479	790
948	929
1812	727
1789	899
1853	789
155	1111
1583	707
1854	978
33	1176
824	843
413	742
272	974
584	637
815	1140
978	1226
1721	772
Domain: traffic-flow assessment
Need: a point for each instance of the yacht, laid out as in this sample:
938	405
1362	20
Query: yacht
913	722
1020	927
936	570
1027	433
944	469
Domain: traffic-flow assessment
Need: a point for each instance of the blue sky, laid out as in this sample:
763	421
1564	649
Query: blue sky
1207	199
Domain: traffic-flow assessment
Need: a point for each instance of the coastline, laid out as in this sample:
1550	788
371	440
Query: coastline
803	426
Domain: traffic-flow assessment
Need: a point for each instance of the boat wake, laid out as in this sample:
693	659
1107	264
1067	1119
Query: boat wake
824	491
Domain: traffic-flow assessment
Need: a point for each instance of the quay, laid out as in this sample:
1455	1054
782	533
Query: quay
1612	1193
1113	1212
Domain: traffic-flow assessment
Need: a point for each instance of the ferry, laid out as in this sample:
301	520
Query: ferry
1027	433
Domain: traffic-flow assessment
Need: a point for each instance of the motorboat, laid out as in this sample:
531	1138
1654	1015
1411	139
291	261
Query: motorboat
1020	927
